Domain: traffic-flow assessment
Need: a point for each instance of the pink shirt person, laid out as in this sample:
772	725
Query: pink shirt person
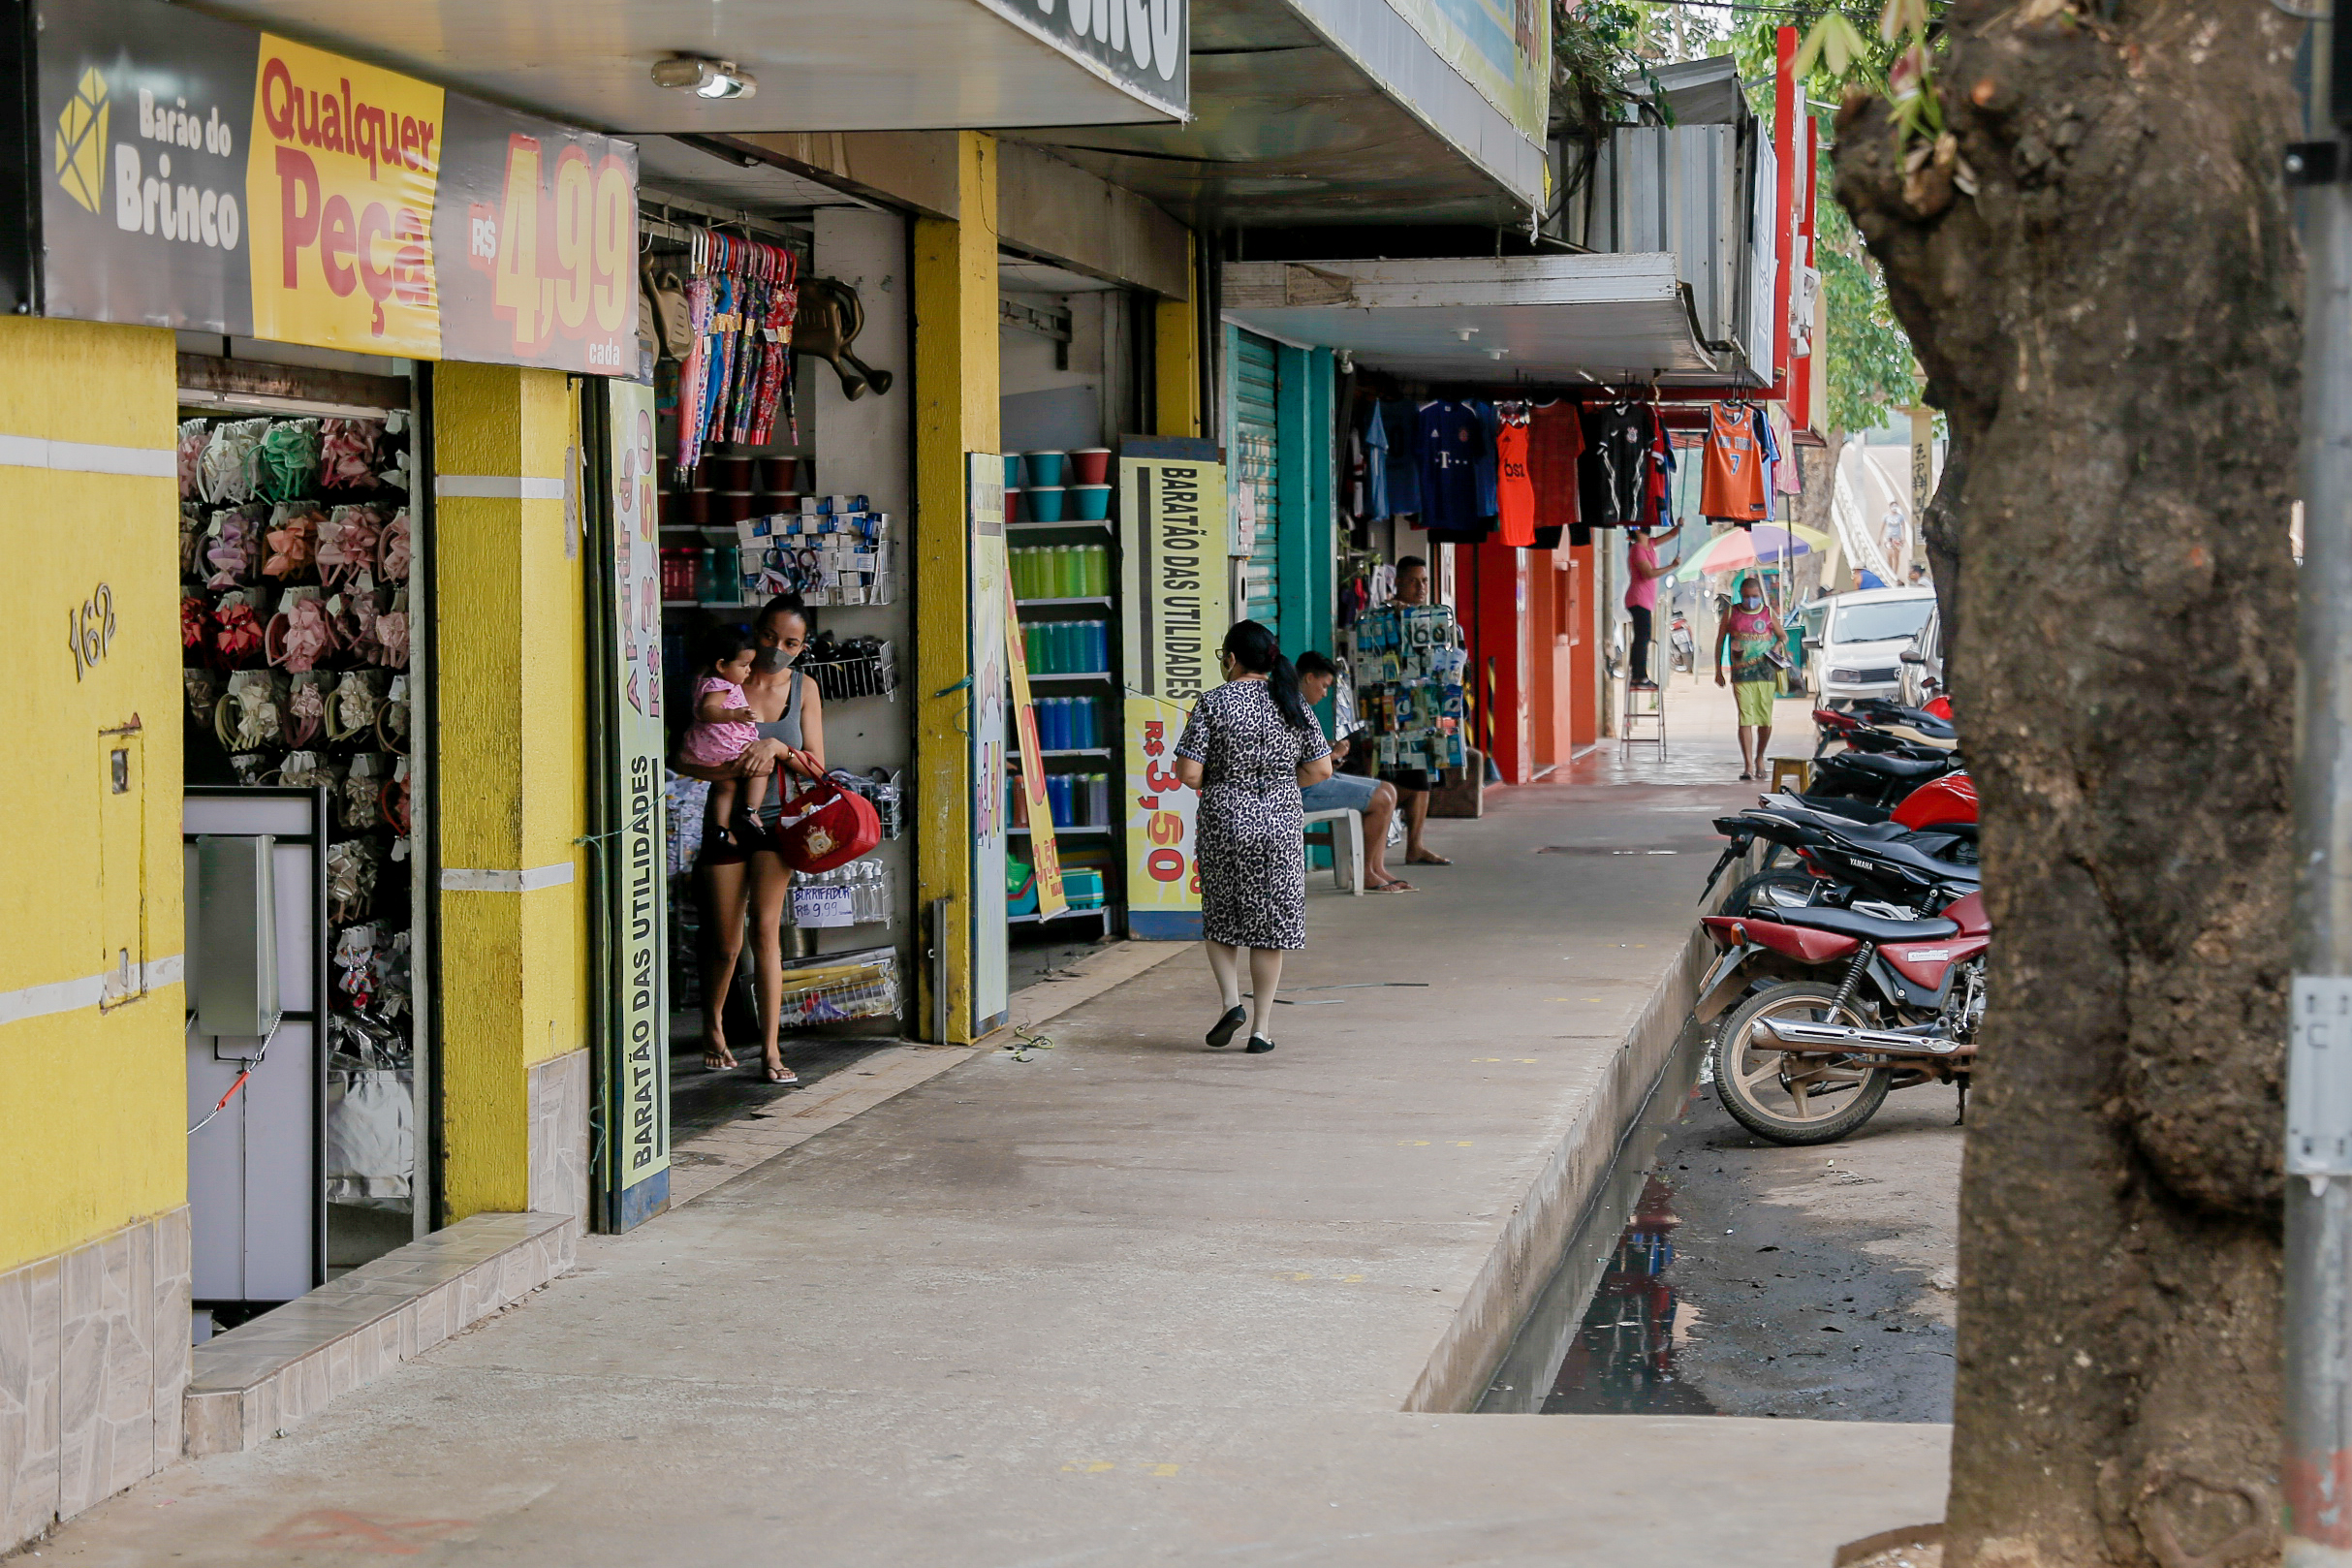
712	744
1642	593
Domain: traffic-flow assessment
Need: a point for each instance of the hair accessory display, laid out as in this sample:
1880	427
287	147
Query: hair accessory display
347	454
353	706
225	472
286	459
352	868
307	707
394	548
234	547
301	634
195	631
392	724
363	795
204	691
194	435
237	635
195	529
347	543
391	629
250	715
293	541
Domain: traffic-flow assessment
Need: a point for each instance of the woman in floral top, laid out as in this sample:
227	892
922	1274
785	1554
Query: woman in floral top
1751	633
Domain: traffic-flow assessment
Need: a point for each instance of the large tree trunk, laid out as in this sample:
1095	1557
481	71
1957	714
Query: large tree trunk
2112	323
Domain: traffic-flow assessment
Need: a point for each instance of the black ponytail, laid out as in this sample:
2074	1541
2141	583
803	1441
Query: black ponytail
1253	647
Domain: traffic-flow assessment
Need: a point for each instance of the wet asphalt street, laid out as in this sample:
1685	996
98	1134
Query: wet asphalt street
1757	1281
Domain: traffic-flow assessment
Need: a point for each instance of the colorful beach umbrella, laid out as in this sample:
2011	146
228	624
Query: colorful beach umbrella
1743	548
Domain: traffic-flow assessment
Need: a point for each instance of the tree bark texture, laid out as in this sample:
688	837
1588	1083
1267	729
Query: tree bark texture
2111	323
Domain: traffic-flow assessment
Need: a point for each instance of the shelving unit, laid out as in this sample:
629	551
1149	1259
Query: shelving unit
1102	603
1068	833
1070	674
1085	524
1099	912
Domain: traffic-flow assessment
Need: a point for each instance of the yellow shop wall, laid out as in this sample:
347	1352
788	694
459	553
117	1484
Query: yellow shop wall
93	1103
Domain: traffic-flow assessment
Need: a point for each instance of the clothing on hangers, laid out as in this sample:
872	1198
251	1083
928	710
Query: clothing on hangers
1556	439
1449	437
1514	486
1614	474
1732	476
1490	423
1771	448
1375	463
1400	419
1786	478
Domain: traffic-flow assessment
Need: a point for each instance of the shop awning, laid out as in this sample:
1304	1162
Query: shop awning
820	65
1619	319
1318	112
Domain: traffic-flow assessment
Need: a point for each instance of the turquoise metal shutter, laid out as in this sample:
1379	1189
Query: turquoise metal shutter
1256	457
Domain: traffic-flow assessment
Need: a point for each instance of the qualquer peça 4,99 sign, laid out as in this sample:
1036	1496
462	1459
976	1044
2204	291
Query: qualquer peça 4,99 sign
201	174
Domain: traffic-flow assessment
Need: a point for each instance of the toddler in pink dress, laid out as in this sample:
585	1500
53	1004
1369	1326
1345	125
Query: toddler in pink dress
724	725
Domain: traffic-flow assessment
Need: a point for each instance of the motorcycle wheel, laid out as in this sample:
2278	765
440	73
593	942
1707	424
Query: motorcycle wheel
1754	895
1788	1097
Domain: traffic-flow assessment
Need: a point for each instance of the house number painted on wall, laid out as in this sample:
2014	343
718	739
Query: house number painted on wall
89	630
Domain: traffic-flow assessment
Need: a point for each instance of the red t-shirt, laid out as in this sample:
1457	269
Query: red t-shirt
1514	492
1556	439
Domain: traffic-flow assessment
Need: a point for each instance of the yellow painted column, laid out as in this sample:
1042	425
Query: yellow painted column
956	414
512	703
93	1054
1175	355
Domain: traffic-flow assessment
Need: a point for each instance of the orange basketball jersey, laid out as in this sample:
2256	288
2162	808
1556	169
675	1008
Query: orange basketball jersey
1731	475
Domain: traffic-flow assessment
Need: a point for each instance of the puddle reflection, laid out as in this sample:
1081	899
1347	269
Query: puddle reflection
1621	1361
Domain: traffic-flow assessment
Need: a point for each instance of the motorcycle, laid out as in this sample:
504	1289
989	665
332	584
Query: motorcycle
1827	1010
1879	779
1682	648
1890	867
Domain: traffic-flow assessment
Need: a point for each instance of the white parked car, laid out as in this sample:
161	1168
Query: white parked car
1858	651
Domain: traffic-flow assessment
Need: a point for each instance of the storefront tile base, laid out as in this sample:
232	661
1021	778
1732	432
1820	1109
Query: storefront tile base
93	1355
559	1135
255	1381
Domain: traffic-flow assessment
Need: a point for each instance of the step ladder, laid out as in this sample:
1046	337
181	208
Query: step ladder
1643	720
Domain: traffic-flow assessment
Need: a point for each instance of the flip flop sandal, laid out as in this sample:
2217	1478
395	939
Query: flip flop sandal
1429	860
781	1074
1391	885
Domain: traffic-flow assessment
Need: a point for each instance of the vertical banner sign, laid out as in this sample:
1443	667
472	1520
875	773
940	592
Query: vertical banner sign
199	175
1173	534
991	597
636	1076
1044	851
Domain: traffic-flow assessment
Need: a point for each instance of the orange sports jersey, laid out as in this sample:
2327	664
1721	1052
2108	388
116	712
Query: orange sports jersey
1731	483
1513	488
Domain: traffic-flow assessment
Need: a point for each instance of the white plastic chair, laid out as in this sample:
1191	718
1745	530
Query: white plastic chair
1347	868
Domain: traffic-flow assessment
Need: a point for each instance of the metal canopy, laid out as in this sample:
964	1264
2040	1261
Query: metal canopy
821	65
1511	319
1289	129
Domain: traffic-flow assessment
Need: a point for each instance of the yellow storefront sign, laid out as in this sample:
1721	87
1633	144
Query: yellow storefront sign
339	185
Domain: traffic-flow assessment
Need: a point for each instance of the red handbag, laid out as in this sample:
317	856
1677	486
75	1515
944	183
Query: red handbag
827	826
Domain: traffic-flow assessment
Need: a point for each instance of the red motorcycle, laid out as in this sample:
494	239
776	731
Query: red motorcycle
1829	1010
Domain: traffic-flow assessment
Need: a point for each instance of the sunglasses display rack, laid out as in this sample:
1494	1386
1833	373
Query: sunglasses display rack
297	546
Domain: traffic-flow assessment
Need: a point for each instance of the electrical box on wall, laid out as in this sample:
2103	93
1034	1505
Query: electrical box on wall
122	863
233	947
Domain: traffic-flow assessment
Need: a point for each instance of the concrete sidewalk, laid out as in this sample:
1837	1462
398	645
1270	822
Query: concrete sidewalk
1127	1301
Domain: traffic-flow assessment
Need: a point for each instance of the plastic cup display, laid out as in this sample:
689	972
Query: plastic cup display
1012	470
1090	465
1045	503
1045	468
1098	571
731	506
1090	503
694	508
730	473
779	476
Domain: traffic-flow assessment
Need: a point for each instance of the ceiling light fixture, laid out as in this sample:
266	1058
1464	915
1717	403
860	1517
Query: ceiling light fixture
705	79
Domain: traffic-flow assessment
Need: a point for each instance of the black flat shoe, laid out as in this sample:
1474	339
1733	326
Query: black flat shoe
1225	1027
1258	1045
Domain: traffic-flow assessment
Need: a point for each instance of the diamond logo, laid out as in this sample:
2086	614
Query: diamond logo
81	140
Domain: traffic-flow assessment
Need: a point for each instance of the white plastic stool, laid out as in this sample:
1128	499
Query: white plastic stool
1347	870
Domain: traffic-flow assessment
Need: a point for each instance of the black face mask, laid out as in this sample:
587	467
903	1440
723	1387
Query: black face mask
767	661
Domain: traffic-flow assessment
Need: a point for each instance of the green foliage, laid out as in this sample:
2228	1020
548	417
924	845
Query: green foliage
1597	47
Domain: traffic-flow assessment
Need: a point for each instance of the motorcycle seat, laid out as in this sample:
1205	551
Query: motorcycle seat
1887	767
1925	866
1869	927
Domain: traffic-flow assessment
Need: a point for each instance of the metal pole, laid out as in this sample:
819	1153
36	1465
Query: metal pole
2318	1459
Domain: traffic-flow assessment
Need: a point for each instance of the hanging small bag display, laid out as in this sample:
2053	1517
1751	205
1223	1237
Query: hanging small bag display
827	825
